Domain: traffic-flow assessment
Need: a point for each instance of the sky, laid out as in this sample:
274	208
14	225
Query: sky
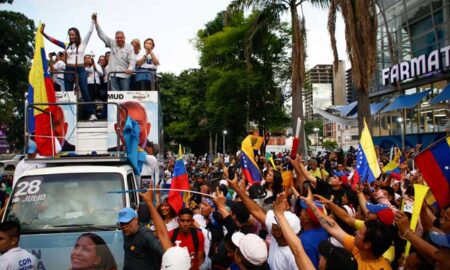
172	24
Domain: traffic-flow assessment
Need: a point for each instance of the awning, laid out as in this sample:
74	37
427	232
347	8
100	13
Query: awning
336	119
443	96
376	107
346	110
406	101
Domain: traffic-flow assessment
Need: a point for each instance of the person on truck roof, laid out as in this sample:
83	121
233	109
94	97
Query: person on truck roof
75	51
23	166
14	257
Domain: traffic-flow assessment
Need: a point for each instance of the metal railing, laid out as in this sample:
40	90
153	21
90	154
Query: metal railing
154	83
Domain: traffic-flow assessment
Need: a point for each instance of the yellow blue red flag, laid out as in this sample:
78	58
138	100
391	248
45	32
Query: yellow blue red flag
40	90
250	168
366	158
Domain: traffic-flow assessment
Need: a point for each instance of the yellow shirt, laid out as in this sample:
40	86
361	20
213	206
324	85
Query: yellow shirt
377	264
389	254
316	173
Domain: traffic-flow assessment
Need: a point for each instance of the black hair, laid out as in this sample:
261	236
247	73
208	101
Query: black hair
77	35
241	212
11	228
185	211
107	260
379	235
151	40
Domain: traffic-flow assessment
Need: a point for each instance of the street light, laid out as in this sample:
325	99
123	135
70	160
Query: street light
316	130
400	121
224	133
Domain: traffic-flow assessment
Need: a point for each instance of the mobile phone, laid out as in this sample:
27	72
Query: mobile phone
231	172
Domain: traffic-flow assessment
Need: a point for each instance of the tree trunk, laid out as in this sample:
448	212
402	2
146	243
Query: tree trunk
215	143
210	143
363	109
298	70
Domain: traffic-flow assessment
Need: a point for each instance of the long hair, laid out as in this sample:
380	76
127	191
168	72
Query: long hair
107	261
172	213
77	36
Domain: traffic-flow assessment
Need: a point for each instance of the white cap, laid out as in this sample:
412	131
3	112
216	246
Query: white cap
252	247
350	210
176	258
223	182
292	219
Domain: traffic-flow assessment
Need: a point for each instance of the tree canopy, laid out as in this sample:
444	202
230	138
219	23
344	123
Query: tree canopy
16	50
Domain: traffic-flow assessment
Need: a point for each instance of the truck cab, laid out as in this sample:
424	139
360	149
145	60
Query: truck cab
57	204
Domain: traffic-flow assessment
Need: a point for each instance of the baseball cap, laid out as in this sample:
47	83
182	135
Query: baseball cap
176	258
338	257
440	239
208	201
126	215
252	247
383	211
292	219
32	147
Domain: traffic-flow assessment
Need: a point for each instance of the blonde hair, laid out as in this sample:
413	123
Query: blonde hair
137	41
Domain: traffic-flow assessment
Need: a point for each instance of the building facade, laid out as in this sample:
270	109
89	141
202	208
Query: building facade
413	56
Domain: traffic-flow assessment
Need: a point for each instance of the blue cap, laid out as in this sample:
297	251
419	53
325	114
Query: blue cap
32	147
126	215
440	239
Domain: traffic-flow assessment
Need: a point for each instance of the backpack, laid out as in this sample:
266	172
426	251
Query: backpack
194	238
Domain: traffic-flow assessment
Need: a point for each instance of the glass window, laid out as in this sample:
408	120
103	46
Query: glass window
424	44
61	201
417	9
436	4
440	119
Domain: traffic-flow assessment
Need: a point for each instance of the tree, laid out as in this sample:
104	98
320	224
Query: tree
360	17
329	145
16	51
273	9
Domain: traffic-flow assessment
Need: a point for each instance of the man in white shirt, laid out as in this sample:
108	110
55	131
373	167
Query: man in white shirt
122	58
24	166
13	257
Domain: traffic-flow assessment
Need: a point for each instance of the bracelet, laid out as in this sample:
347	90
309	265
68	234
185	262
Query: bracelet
406	234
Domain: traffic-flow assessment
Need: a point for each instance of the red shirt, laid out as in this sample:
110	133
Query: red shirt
187	241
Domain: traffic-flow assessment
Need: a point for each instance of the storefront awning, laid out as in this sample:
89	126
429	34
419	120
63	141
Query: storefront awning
376	107
336	119
346	110
406	101
443	96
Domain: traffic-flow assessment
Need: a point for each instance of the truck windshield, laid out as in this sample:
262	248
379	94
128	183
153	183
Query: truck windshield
66	201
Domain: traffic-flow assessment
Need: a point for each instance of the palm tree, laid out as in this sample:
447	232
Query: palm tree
273	9
360	17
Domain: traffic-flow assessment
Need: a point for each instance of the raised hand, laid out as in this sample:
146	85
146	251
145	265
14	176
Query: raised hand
42	28
279	205
94	17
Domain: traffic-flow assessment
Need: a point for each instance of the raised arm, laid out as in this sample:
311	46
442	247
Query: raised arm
251	205
52	39
107	40
338	211
85	40
160	228
301	258
325	221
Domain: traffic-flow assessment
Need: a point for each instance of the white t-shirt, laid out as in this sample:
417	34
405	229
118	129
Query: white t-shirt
279	257
17	259
90	74
75	56
149	166
148	63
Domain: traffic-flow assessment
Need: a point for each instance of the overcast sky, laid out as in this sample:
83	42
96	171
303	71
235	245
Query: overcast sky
172	24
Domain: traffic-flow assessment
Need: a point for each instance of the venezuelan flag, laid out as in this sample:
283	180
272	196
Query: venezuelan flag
179	181
40	90
367	165
392	166
434	164
249	166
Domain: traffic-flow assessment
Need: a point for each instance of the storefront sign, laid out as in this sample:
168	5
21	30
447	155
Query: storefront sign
437	60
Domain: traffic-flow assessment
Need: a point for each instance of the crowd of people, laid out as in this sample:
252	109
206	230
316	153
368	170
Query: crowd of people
306	213
124	67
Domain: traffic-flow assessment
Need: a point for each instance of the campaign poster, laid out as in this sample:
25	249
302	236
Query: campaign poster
142	106
65	119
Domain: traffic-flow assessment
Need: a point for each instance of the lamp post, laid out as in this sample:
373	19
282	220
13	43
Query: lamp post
400	121
224	133
316	130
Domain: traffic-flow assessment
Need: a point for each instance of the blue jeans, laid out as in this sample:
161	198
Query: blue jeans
69	81
119	84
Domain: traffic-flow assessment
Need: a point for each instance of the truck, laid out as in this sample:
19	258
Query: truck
81	189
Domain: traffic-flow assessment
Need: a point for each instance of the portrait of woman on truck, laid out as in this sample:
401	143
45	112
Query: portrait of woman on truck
91	252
